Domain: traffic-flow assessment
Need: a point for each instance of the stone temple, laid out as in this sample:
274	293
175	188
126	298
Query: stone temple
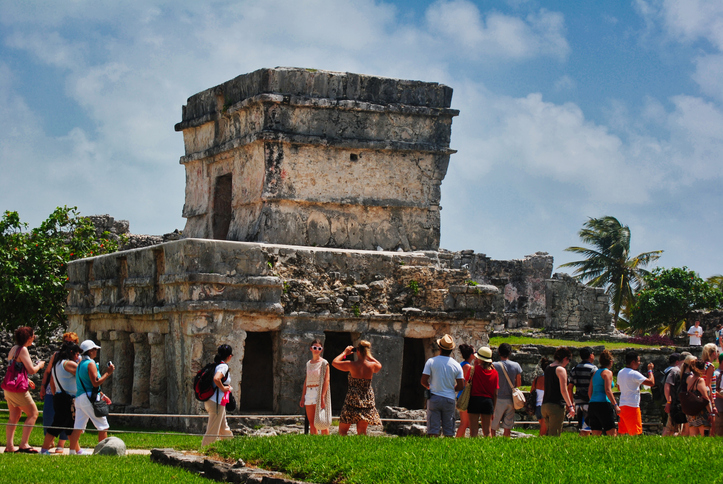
312	208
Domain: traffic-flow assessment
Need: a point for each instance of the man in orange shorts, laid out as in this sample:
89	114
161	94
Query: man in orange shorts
629	381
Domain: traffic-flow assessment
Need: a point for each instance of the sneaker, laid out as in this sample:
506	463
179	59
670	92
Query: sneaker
80	452
44	452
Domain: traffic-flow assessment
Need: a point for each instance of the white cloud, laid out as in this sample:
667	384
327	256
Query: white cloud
495	34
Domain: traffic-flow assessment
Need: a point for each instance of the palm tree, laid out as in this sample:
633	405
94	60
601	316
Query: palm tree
716	281
608	263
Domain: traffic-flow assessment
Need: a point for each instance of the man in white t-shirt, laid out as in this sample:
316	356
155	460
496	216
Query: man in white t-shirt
443	377
629	381
696	333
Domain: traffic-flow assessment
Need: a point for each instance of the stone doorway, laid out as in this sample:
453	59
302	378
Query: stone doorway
257	382
411	392
333	346
222	211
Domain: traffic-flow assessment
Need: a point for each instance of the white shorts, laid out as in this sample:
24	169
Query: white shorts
312	395
84	412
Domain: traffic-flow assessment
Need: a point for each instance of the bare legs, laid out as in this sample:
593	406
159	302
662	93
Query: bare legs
474	424
310	413
15	413
361	428
463	423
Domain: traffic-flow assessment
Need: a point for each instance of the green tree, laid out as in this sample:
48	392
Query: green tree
33	267
608	263
716	281
668	295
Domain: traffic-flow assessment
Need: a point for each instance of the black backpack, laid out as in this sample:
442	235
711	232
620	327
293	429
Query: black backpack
203	386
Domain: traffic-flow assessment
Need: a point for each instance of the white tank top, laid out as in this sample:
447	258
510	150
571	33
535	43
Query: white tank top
65	378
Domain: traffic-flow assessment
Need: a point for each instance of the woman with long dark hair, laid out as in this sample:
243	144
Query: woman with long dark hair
21	401
359	406
63	387
217	427
695	383
467	357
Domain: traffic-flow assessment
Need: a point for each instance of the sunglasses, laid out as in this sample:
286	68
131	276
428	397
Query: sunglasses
317	348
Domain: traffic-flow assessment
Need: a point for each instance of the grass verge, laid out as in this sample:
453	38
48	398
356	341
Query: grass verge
567	459
75	469
523	340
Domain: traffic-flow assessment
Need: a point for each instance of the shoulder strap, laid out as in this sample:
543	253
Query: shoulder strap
95	390
471	373
506	375
55	377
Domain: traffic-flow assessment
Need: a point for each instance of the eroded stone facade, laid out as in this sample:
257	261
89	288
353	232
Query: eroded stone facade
310	175
317	158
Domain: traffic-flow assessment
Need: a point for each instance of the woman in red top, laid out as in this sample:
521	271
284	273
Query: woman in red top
483	397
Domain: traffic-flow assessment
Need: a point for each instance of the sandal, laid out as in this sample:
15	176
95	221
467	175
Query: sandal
58	450
6	451
27	450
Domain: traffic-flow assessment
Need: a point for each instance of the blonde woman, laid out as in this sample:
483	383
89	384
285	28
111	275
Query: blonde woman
359	406
709	357
311	396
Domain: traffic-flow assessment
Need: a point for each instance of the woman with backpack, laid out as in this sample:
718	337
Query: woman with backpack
16	391
217	427
63	388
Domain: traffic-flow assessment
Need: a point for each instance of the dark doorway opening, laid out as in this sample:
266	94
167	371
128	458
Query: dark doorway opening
257	382
335	344
222	193
411	393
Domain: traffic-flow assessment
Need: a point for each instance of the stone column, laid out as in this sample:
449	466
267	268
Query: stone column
123	375
158	385
106	355
141	370
387	383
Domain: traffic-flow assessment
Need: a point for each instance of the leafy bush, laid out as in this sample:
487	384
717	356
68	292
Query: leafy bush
33	267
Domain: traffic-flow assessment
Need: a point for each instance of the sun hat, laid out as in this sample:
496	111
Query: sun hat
87	345
484	354
446	343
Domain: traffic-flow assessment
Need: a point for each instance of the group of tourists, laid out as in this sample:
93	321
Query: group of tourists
70	389
692	389
490	391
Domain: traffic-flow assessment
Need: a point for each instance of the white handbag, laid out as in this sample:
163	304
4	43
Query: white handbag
322	416
518	398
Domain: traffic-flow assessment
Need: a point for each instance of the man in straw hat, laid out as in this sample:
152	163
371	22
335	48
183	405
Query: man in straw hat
443	377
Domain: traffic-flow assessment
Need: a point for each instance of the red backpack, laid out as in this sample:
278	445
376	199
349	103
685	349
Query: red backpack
203	387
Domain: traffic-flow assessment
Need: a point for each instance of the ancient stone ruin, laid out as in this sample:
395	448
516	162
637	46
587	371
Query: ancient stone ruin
312	207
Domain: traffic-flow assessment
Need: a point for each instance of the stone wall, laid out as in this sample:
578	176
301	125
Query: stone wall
709	321
574	306
317	158
160	312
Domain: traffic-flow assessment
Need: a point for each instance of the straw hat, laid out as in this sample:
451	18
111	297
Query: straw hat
446	343
484	354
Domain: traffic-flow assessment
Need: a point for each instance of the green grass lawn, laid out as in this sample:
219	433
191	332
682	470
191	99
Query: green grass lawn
568	459
524	340
27	469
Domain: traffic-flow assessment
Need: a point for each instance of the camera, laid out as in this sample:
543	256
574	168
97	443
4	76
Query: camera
109	363
353	350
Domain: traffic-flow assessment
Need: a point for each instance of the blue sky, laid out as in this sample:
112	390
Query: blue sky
569	110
